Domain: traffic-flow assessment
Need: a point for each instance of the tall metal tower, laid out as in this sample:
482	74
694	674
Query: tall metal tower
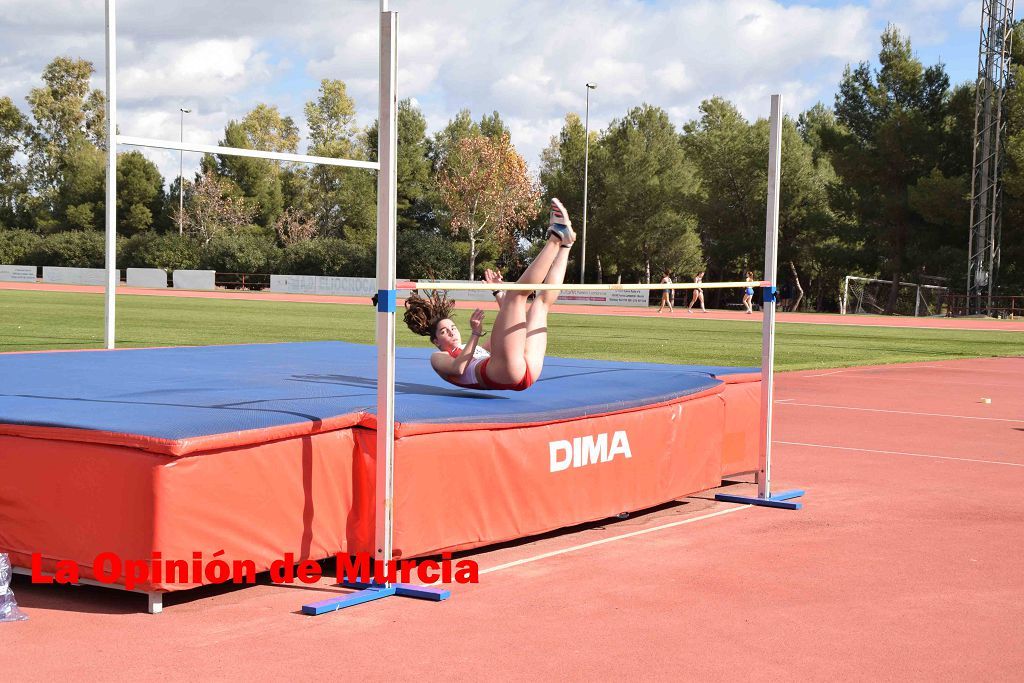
989	131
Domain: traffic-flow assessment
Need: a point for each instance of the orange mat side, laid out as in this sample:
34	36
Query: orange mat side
70	501
741	435
310	496
466	489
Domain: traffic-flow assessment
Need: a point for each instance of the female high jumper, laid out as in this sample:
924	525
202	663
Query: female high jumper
513	357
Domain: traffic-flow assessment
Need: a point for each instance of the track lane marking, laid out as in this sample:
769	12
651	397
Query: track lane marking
602	541
904	412
916	455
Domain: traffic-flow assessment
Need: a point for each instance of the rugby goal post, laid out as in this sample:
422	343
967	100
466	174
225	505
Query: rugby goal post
870	296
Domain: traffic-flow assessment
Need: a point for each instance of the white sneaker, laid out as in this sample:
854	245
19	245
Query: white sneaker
560	226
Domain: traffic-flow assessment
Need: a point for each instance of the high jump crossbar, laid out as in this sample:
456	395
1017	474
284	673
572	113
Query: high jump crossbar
540	287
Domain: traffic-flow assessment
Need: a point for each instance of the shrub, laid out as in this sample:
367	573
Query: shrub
242	253
73	249
17	247
151	250
360	259
424	254
318	256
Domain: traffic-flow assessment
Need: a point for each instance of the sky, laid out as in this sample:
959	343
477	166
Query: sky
527	59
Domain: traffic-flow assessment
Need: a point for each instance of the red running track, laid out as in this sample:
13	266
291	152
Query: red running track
980	324
904	564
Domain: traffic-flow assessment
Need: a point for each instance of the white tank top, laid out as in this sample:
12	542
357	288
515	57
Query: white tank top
468	377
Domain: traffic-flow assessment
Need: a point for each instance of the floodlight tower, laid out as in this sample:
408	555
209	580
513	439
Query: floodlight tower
989	131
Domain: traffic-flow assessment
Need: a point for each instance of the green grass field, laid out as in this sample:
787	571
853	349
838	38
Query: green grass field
59	320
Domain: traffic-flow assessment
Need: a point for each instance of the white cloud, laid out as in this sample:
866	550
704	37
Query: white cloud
527	59
203	69
970	15
673	77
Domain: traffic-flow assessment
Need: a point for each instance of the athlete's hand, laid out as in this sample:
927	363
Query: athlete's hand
476	323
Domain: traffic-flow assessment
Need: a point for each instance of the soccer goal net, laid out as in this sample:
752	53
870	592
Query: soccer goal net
870	296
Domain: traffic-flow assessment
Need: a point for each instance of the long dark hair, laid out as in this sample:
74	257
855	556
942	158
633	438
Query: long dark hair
423	313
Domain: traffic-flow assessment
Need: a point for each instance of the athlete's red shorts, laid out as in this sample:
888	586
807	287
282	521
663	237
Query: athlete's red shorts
525	383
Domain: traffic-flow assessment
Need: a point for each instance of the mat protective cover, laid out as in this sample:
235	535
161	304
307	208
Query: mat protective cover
258	451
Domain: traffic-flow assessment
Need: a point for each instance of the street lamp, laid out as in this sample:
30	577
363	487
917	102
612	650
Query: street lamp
586	164
181	183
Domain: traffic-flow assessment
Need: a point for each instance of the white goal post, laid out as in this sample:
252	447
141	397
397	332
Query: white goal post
865	295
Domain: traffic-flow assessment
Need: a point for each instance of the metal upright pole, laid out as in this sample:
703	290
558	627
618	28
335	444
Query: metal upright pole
771	244
181	182
110	243
586	168
387	199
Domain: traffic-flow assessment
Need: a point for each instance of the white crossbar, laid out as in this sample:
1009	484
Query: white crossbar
517	287
242	152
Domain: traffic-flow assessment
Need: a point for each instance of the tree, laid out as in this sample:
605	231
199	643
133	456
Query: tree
66	133
461	127
265	129
417	195
890	137
140	193
210	210
294	225
486	187
80	199
258	179
261	180
561	170
14	131
813	242
1011	270
342	200
493	127
733	180
643	216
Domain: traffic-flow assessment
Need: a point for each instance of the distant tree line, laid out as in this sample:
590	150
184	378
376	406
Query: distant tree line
877	185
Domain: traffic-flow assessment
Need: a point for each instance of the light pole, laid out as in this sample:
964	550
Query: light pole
181	183
586	164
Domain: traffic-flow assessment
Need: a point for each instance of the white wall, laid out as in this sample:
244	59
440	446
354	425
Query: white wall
147	277
194	279
17	273
74	276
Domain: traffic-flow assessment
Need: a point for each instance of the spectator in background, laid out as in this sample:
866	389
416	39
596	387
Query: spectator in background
785	295
748	294
666	294
698	294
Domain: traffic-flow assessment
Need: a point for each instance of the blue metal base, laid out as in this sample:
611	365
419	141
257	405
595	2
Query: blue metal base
405	590
776	501
371	591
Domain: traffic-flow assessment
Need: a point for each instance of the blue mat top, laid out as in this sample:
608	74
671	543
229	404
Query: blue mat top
181	393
